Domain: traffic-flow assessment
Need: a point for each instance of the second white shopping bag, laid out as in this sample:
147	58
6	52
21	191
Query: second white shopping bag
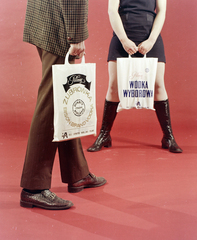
74	100
136	82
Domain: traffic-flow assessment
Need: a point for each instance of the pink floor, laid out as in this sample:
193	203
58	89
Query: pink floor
151	194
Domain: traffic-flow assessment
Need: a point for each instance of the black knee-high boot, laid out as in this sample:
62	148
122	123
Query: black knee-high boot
163	115
104	138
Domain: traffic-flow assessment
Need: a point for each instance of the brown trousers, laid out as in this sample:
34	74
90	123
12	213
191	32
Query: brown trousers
40	154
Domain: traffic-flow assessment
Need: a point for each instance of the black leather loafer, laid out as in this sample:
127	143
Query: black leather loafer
45	199
91	181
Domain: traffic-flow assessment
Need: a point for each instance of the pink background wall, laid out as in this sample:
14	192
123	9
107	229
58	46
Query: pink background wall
20	66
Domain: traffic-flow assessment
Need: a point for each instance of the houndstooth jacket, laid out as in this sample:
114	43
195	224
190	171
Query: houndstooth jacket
53	24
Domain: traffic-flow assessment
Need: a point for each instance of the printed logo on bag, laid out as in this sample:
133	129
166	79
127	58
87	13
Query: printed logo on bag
78	102
138	89
78	107
64	135
138	105
76	79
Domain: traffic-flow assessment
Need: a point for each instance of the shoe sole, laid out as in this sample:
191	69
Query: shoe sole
79	189
172	151
99	149
31	205
96	149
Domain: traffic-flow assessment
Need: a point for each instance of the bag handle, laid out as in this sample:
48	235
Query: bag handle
66	62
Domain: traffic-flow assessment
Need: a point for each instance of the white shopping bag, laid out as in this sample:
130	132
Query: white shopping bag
136	82
74	100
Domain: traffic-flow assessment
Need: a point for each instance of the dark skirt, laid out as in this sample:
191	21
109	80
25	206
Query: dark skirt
116	49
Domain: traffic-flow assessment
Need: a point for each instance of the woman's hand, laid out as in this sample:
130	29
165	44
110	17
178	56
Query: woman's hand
145	46
129	46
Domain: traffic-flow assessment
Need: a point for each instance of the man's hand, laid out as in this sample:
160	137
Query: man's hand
77	49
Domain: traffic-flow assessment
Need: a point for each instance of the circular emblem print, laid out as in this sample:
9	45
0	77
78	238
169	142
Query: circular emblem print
78	107
147	70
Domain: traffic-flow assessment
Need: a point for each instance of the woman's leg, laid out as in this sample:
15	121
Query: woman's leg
112	91
160	90
162	111
109	113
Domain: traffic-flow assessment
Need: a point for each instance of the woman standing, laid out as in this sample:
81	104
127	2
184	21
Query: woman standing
137	25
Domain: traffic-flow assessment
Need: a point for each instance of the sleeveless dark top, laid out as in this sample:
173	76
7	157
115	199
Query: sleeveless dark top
137	6
137	17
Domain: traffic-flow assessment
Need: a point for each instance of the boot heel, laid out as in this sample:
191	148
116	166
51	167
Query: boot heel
165	144
26	204
107	145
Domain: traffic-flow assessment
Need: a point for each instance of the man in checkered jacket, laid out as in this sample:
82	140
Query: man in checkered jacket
53	26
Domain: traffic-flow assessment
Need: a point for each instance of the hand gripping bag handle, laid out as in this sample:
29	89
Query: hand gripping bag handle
66	62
